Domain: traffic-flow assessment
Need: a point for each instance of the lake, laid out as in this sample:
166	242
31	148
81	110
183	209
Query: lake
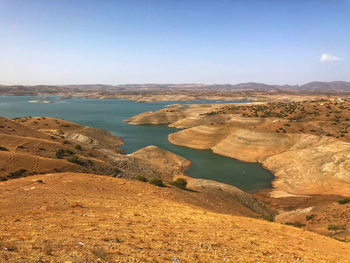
109	114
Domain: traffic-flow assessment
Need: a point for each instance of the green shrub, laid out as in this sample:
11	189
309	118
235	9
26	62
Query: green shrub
335	227
70	152
341	240
17	173
66	142
157	182
180	182
344	201
60	153
77	161
78	147
310	217
141	178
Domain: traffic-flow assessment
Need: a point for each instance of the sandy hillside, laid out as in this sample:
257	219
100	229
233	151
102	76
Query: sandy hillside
88	218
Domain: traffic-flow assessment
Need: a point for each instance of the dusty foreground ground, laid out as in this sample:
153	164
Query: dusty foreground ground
72	217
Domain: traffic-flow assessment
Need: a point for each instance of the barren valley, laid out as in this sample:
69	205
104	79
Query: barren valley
70	193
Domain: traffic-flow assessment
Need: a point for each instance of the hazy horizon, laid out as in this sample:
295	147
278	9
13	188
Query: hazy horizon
178	84
63	42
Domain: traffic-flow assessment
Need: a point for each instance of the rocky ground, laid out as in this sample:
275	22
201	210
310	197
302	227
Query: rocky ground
73	217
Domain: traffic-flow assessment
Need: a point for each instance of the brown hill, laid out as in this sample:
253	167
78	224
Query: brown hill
74	217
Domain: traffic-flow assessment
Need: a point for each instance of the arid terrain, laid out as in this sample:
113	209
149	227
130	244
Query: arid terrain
305	144
172	131
53	208
74	217
70	194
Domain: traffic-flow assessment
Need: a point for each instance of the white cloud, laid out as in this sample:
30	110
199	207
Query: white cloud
329	58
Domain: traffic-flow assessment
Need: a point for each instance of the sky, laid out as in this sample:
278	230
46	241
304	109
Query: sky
174	41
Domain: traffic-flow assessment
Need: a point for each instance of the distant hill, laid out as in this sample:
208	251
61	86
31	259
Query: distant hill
312	87
326	86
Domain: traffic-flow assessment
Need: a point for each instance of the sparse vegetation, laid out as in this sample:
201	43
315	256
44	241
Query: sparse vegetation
141	178
76	160
69	152
344	201
60	153
157	182
180	183
336	227
310	217
17	173
78	147
298	116
63	152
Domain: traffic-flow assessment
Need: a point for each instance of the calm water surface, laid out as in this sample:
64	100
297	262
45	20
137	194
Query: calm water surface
110	115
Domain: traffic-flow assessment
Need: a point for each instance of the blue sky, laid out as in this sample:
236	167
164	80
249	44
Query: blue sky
174	41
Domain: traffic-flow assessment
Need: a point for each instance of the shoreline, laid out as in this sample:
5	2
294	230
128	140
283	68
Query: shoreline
287	156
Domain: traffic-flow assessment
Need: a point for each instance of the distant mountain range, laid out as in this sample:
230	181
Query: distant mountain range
312	87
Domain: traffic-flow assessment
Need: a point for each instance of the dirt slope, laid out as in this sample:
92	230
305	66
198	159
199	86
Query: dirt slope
163	160
89	218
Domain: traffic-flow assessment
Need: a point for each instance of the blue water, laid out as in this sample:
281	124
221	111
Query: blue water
109	114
